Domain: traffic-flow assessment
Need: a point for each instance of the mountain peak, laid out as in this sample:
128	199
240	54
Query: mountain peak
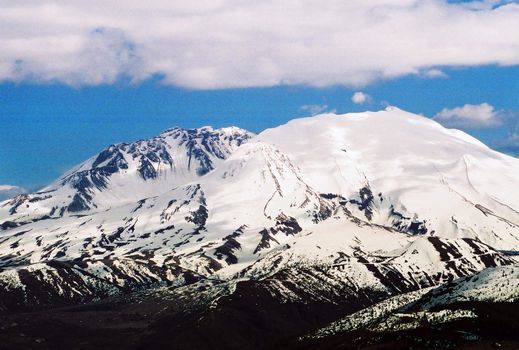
127	172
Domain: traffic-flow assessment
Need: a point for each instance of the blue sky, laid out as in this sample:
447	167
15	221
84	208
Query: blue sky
77	76
52	127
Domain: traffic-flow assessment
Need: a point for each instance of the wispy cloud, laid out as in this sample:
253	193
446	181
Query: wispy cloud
231	43
434	73
470	116
8	191
510	144
360	97
316	109
481	5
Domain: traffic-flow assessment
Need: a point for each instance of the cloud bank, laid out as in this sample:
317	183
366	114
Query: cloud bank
470	116
210	44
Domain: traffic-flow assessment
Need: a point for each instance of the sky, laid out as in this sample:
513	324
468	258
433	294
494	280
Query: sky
77	76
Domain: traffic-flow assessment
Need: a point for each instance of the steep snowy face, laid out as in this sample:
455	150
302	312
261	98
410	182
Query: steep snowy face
257	184
128	172
394	165
254	201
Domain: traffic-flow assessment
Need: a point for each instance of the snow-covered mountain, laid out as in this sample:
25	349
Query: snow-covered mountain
333	207
127	172
394	162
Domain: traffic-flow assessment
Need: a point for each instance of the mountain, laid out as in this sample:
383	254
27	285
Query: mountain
396	162
127	172
313	220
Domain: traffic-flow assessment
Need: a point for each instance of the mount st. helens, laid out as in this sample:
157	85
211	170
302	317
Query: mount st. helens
334	212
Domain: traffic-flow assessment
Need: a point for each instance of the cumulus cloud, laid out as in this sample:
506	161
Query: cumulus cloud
470	116
232	43
360	97
316	109
8	191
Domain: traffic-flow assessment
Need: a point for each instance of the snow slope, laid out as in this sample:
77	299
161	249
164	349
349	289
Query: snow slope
413	310
499	284
364	205
459	186
127	172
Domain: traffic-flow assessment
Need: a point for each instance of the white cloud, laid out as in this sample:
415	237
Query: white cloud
8	191
316	109
360	97
234	43
470	116
434	73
